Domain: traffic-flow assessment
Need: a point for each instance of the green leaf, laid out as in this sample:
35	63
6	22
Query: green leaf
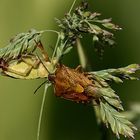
111	42
23	43
67	50
117	75
114	102
111	26
110	97
118	123
58	53
95	38
108	92
83	20
110	104
95	29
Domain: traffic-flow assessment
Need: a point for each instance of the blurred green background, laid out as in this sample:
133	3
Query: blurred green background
63	120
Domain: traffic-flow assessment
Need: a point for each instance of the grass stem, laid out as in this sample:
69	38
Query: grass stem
72	6
41	110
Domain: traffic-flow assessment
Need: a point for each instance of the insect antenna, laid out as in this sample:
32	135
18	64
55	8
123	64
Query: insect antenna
47	81
42	63
40	86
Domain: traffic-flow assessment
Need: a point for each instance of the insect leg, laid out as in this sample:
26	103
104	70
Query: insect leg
43	51
79	68
33	64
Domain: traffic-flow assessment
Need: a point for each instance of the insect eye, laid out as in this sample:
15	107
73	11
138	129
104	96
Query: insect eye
51	77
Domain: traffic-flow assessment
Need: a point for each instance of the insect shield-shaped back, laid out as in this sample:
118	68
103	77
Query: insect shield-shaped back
73	85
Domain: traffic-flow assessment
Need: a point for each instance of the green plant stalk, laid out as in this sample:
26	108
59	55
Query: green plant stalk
57	42
72	6
41	110
82	56
51	31
40	115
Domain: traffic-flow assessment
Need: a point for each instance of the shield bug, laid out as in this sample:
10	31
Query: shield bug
73	84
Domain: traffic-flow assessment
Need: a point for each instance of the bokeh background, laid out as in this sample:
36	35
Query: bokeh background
63	120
